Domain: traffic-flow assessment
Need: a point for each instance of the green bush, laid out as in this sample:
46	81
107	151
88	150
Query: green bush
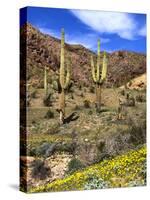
86	104
90	112
49	114
130	102
34	94
40	171
95	183
74	165
48	100
92	89
54	129
141	98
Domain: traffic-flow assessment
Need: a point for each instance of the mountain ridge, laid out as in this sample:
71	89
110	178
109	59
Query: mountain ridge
44	50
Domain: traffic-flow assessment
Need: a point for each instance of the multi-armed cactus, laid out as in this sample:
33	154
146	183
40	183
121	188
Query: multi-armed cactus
99	76
64	77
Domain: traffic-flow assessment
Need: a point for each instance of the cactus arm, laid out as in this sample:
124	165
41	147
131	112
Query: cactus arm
104	68
98	62
62	69
93	70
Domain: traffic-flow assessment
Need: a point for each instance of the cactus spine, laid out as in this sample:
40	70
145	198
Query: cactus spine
45	80
64	77
99	76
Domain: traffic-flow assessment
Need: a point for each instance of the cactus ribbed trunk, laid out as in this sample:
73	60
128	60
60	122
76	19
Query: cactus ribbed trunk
45	80
62	106
64	77
98	97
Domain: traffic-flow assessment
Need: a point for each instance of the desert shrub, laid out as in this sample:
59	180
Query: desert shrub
48	100
54	129
81	94
74	165
90	112
130	101
86	104
31	151
95	183
65	147
138	133
46	149
34	94
122	92
28	99
49	114
55	85
92	89
80	86
33	122
40	84
141	98
40	171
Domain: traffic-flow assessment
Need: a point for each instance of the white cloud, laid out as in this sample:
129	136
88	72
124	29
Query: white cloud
87	40
49	32
122	24
142	31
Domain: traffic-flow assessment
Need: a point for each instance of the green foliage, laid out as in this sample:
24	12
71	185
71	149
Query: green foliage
90	112
34	94
86	103
95	183
92	89
140	98
53	129
74	165
49	114
122	92
40	171
46	149
48	100
130	101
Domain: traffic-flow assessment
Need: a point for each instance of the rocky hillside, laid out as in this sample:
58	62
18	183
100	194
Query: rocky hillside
44	50
138	83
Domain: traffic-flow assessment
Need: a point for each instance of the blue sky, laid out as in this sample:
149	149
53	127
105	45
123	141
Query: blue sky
117	31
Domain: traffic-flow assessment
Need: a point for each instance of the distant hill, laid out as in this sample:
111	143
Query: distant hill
44	50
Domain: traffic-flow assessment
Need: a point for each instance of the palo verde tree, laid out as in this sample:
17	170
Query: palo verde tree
98	75
64	77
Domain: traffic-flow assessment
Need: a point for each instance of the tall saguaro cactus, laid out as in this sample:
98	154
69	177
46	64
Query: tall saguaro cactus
64	77
45	80
99	76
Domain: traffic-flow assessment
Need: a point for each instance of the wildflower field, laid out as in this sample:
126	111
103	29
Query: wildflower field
122	171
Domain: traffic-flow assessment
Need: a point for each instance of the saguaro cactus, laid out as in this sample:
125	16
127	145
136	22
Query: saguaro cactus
45	80
99	76
64	77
